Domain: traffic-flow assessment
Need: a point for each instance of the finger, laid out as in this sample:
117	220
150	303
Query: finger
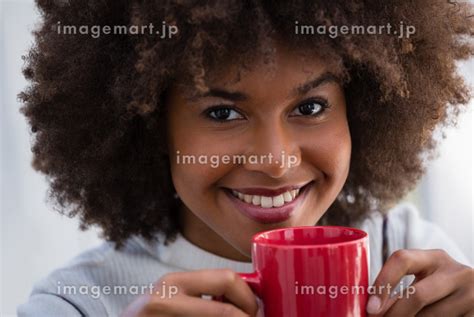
433	290
260	312
389	303
469	314
457	304
423	293
222	282
188	306
399	264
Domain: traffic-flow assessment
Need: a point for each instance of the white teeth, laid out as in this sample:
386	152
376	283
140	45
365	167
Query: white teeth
278	201
268	202
256	200
247	199
287	197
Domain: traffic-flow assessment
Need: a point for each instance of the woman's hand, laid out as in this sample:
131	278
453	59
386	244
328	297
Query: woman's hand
188	302
442	286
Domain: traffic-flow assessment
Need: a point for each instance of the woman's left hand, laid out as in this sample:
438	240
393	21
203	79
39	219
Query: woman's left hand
442	286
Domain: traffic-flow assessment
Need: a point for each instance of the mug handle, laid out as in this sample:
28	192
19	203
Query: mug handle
253	280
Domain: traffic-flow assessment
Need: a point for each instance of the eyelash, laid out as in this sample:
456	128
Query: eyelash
321	101
209	110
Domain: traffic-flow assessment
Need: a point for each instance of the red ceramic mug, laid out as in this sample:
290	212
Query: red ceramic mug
310	271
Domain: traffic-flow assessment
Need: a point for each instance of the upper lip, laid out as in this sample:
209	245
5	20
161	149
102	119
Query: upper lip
261	191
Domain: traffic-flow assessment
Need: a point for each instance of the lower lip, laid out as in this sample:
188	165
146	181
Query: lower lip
269	215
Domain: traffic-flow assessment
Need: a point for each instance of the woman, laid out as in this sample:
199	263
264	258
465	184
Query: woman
354	114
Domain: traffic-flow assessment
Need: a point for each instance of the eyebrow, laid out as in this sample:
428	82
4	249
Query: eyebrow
222	93
302	89
320	80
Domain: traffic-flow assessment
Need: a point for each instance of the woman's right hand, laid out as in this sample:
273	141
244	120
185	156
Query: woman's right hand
188	302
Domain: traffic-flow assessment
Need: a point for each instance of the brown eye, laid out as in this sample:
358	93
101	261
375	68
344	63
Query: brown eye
223	113
310	108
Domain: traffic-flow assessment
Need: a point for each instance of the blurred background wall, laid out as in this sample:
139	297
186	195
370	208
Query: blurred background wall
35	239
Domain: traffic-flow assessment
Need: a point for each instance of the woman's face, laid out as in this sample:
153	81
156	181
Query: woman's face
264	149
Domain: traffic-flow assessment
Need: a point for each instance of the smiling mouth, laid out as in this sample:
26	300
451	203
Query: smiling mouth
266	200
265	205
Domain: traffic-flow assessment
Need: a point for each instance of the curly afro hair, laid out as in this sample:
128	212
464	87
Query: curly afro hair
97	108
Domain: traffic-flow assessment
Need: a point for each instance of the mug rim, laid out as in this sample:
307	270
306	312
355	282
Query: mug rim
312	246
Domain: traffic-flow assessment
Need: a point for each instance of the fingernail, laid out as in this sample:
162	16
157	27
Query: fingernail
373	305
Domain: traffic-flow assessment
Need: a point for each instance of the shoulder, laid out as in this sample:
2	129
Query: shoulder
406	229
48	294
399	216
79	287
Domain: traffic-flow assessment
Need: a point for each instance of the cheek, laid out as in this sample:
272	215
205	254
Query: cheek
329	150
195	165
195	179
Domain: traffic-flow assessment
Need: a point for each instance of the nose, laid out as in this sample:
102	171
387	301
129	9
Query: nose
273	149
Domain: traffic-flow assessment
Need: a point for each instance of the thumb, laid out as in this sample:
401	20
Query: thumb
260	308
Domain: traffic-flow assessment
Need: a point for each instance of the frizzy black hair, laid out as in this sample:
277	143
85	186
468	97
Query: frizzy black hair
97	107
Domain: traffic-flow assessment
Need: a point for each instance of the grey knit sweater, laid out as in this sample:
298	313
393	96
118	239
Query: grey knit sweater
103	281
